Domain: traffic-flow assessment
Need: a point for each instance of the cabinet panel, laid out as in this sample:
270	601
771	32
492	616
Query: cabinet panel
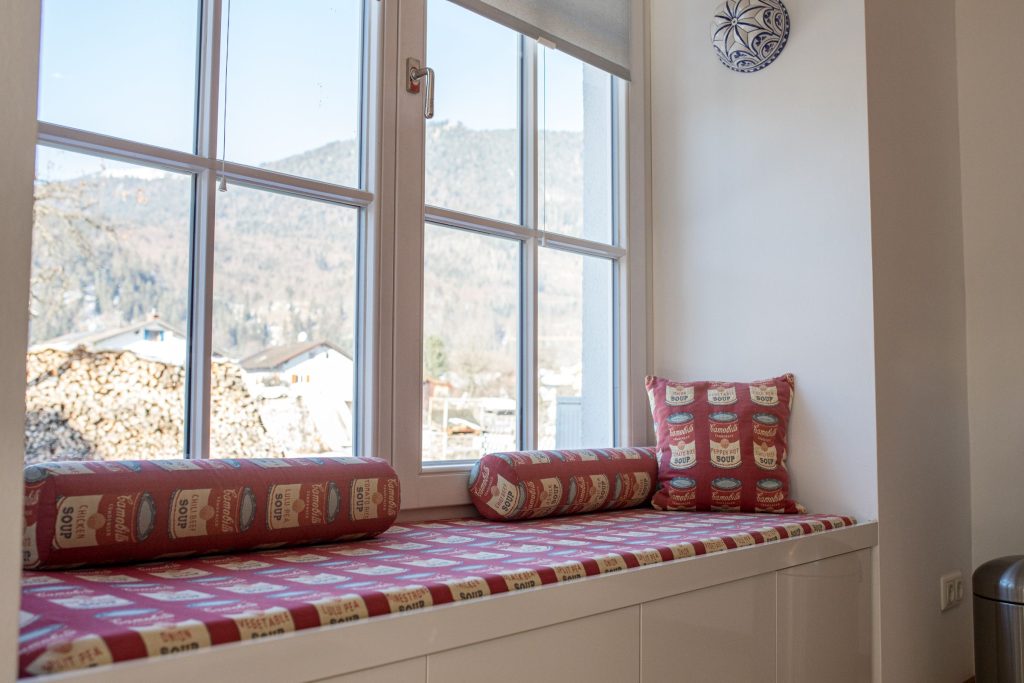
605	647
825	620
723	633
409	671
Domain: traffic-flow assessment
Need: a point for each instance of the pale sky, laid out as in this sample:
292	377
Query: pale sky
128	68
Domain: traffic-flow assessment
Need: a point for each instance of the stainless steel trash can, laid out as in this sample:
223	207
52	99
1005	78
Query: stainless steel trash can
999	620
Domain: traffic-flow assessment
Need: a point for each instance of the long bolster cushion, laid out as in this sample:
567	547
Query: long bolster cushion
531	484
85	513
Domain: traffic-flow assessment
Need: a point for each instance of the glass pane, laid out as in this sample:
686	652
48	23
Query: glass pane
291	90
109	304
575	334
575	147
121	68
472	141
470	344
284	307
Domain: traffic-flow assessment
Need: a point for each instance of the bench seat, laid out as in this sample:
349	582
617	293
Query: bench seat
74	619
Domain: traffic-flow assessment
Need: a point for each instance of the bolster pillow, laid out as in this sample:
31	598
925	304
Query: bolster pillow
95	512
531	484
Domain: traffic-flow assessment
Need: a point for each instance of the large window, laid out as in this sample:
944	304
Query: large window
251	242
168	318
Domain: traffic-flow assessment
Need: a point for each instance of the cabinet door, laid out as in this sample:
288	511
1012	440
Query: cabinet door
825	620
605	647
723	633
409	671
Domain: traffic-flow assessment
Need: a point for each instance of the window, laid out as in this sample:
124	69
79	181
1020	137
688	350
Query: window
519	254
370	282
168	318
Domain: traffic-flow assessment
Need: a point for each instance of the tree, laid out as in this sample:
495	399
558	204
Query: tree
435	357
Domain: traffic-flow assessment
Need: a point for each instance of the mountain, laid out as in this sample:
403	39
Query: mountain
110	248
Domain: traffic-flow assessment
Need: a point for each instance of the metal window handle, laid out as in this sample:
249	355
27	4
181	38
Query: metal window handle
414	74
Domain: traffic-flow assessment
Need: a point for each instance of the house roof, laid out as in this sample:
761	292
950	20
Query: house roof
274	357
75	339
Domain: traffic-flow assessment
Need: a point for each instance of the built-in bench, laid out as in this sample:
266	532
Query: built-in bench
82	618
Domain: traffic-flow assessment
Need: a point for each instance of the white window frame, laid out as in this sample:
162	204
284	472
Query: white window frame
428	485
389	313
206	169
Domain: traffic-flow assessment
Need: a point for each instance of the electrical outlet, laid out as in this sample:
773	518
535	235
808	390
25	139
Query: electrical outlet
951	590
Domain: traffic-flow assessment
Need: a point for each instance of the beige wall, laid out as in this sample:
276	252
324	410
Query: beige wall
761	240
920	342
992	153
778	246
19	55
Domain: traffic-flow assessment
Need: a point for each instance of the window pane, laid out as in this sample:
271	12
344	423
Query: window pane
283	326
121	68
576	345
575	147
292	87
472	141
470	344
109	303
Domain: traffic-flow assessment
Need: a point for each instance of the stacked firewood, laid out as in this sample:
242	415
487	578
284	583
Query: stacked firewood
113	405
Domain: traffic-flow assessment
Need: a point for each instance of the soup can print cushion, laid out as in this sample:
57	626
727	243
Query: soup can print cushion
95	512
532	484
722	446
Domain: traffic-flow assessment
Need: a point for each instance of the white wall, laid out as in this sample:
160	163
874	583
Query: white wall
778	246
19	58
992	160
920	340
761	231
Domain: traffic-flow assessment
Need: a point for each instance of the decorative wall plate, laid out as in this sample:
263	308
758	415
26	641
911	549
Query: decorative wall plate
748	35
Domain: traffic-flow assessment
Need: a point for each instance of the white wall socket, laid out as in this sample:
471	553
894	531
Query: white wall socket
951	590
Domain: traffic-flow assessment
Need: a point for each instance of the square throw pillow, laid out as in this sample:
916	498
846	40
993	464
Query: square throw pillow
722	445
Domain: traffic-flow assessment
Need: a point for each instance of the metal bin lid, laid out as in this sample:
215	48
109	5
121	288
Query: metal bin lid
1001	579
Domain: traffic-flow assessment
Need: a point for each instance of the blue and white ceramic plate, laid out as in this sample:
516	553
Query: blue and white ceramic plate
748	35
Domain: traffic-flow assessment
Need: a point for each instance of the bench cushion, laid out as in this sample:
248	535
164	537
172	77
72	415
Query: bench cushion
79	513
74	619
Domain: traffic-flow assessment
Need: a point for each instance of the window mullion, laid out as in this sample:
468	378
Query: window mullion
528	208
200	327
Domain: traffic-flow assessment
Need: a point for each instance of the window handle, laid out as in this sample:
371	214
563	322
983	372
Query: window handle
414	74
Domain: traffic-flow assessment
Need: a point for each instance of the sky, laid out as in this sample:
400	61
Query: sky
127	68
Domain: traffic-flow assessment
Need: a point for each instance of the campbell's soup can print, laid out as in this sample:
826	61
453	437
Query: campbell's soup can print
367	499
679	394
682	441
82	652
505	498
770	496
682	494
542	495
725	494
766	427
169	639
722	394
294	505
202	512
724	432
632	488
86	521
586	493
764	394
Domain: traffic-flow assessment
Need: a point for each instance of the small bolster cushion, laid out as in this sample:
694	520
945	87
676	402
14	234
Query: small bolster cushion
531	484
95	512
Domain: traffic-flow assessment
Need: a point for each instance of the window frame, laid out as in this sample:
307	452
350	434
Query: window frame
388	372
443	485
206	169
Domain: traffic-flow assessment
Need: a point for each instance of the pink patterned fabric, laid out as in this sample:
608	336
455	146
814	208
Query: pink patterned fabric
81	618
88	513
531	484
722	446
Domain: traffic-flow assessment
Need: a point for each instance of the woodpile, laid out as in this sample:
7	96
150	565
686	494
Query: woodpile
113	405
